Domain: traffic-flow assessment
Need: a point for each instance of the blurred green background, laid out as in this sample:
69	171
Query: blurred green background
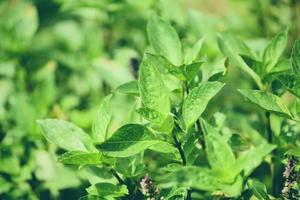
59	58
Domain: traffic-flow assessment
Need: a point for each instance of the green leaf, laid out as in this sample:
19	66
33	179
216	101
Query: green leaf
291	82
164	40
179	192
166	148
165	67
238	46
191	148
129	140
225	46
160	122
80	158
274	50
295	57
210	70
258	189
103	118
193	53
294	151
130	166
166	125
197	100
91	197
191	70
152	89
267	101
129	88
151	115
282	66
218	151
202	179
107	190
66	135
251	159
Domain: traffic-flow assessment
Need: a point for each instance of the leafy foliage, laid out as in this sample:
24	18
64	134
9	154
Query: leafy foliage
169	103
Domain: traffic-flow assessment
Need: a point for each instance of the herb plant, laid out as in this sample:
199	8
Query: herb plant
177	145
60	59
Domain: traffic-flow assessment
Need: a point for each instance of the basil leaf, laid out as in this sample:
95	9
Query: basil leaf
197	100
80	158
191	70
107	190
226	48
130	166
165	67
91	197
238	46
274	50
202	179
251	159
295	57
193	53
152	89
179	192
66	135
164	40
218	151
214	69
291	82
129	88
129	140
267	101
151	115
258	189
103	118
294	151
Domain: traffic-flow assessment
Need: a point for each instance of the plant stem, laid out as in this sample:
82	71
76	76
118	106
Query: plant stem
180	150
116	175
275	167
269	129
183	158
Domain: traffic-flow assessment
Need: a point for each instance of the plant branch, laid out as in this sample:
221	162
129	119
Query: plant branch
269	129
183	158
180	150
185	91
116	175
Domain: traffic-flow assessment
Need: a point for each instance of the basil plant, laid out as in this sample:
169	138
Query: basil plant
177	144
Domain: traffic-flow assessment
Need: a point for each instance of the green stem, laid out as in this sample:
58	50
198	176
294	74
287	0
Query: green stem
269	129
180	150
183	158
116	175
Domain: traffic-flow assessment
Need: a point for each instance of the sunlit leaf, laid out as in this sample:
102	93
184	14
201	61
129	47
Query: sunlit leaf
274	50
258	189
267	101
130	88
295	57
234	57
66	135
164	39
152	88
197	100
102	120
128	140
80	158
107	190
219	153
